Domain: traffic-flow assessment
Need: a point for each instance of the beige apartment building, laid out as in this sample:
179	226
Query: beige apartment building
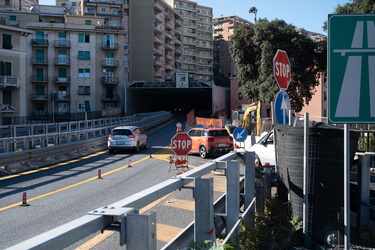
197	39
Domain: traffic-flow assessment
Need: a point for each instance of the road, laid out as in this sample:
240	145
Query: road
67	191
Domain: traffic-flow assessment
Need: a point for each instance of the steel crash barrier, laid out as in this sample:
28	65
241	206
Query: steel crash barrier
214	217
57	139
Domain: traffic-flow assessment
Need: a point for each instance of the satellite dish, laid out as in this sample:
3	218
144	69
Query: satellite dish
68	7
46	32
67	3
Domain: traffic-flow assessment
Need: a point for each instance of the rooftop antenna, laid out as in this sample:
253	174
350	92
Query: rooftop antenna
254	10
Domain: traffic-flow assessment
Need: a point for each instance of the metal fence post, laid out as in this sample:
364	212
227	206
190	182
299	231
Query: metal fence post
204	211
249	187
233	198
141	231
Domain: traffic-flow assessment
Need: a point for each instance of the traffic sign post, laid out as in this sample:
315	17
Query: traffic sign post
282	107
181	144
351	64
282	69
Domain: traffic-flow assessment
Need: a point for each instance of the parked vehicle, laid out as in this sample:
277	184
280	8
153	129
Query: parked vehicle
265	149
127	137
210	141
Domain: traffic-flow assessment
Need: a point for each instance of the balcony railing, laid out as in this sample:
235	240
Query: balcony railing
109	62
61	43
39	60
37	78
110	98
61	61
39	97
61	79
39	42
104	1
9	81
63	97
110	46
110	80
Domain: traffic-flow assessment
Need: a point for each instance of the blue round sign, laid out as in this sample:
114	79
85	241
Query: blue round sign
240	134
282	107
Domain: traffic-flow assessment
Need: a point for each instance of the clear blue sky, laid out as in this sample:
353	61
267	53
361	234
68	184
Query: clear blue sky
307	14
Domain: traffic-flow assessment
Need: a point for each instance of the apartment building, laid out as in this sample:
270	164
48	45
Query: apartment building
73	64
13	65
197	39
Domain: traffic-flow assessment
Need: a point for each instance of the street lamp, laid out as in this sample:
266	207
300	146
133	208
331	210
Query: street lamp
254	10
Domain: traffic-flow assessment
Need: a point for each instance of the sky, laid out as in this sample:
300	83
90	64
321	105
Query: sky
307	14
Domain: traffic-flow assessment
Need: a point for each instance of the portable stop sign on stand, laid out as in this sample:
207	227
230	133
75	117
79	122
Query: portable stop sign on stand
181	146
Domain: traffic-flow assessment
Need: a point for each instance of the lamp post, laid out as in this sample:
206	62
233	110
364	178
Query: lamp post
254	10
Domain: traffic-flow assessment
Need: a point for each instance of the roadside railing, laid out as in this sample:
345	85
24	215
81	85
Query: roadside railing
124	214
45	140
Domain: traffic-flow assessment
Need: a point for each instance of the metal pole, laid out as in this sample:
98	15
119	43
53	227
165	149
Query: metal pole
306	174
273	112
346	187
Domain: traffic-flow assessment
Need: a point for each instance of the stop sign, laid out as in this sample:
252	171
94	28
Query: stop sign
181	144
282	69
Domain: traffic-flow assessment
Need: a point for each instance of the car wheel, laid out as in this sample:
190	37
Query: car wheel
203	152
257	161
111	151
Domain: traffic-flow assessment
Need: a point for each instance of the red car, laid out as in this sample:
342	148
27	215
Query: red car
210	141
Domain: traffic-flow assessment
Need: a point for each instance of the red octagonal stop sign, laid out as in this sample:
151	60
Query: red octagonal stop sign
282	69
181	144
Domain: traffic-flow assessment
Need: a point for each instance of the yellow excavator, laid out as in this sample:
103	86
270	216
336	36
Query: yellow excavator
242	118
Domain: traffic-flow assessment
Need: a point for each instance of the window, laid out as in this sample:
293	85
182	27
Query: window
88	22
7	97
126	69
84	55
7	41
83	90
83	38
126	58
84	73
5	68
74	4
109	105
81	107
12	18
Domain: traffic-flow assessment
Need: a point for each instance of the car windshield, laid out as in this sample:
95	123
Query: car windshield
121	132
218	133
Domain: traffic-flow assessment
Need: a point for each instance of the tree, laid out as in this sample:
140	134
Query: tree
253	48
355	7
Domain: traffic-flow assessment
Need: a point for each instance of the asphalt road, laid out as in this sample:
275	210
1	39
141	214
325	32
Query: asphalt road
67	191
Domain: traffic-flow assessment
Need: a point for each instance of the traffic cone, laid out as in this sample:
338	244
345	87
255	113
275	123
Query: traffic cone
99	174
150	156
130	163
24	200
170	159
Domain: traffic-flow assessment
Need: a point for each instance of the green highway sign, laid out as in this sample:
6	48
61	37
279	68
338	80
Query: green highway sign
351	68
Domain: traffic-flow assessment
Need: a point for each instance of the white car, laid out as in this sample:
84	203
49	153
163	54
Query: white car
265	149
127	137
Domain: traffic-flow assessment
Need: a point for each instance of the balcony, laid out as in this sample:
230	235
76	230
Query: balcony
110	46
169	57
9	81
158	41
158	29
61	79
158	7
168	47
169	68
39	42
61	43
158	63
178	23
158	18
157	52
169	26
39	97
178	42
61	61
39	78
93	12
178	32
62	98
168	36
110	80
39	60
110	98
116	2
110	63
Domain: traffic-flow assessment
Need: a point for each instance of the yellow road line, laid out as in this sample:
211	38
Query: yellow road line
74	185
96	240
166	233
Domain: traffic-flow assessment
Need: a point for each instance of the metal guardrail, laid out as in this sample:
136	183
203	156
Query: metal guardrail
68	137
124	213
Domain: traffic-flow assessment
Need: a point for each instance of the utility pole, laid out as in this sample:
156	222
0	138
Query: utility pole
254	10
